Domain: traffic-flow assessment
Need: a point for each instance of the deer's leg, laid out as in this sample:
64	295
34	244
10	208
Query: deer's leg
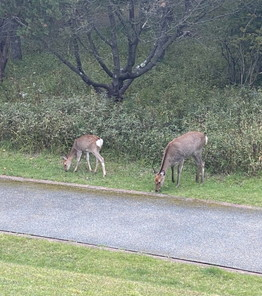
78	157
173	177
88	161
200	167
179	171
202	172
96	165
101	159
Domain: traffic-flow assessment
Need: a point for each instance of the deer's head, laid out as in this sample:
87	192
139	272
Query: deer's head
66	163
159	180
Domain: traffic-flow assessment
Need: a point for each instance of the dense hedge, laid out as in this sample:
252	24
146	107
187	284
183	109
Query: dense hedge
234	126
232	118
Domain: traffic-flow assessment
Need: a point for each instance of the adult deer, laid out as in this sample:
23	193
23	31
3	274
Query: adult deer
179	149
88	144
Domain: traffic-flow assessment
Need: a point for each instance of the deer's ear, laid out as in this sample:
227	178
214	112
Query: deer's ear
162	173
64	158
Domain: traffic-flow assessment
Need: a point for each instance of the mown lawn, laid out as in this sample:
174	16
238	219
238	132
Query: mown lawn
123	174
39	267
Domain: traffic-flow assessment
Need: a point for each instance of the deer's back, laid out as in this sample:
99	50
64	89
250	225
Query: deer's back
187	144
86	143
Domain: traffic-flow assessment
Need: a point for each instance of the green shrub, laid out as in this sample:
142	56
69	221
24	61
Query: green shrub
232	120
53	124
234	126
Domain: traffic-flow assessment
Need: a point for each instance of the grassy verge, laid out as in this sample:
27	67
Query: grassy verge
237	189
39	267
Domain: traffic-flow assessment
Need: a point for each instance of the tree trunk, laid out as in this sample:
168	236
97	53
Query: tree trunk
3	62
4	49
15	42
10	43
16	49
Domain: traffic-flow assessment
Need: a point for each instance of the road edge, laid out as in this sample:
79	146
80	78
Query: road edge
122	191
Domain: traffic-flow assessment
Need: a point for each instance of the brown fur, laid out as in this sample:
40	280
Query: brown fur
179	149
87	144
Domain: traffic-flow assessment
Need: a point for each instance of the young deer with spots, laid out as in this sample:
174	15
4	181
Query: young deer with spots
179	149
88	144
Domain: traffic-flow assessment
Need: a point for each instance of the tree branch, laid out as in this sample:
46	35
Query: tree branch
83	76
97	56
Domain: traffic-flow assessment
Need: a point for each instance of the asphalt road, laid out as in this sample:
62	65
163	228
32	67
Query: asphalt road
192	230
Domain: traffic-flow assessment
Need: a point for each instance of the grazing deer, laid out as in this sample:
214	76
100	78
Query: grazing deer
179	149
88	144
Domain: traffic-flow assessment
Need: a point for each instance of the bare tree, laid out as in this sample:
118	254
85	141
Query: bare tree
242	46
10	45
5	28
114	31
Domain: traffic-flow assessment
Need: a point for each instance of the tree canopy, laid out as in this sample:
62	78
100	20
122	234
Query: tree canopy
126	39
242	44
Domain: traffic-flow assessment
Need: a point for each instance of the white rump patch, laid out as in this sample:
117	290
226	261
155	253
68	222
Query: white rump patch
206	139
99	143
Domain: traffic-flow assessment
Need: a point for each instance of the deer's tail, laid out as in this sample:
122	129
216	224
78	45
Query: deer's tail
99	143
206	139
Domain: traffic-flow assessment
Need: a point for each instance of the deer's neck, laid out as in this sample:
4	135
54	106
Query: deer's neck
165	162
72	153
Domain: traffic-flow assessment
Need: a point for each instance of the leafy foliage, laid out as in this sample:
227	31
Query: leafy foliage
242	44
232	120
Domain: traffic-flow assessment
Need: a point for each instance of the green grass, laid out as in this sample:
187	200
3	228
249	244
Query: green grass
237	189
39	267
